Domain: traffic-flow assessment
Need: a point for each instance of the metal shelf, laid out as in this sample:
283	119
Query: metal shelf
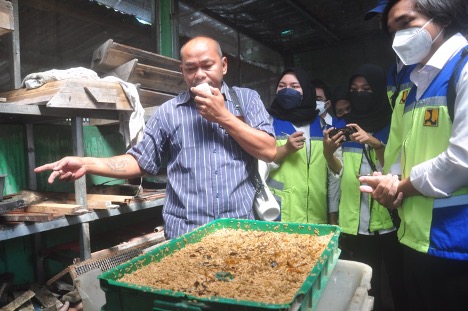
25	229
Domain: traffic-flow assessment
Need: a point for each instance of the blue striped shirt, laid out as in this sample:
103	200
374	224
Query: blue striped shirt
207	170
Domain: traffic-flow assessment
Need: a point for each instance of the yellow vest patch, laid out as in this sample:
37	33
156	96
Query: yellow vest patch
431	117
404	96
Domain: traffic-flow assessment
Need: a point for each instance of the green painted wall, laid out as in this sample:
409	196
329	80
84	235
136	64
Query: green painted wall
16	258
13	157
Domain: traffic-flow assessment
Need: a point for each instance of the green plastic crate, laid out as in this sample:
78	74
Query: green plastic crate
122	296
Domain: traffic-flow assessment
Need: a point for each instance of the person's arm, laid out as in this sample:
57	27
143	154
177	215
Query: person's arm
333	197
330	146
379	148
72	168
363	137
294	143
257	143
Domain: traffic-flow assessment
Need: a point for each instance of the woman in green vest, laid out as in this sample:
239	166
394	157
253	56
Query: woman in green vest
368	232
299	176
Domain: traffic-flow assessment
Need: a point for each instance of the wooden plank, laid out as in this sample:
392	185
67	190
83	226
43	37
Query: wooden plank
158	79
111	55
33	197
150	196
101	205
100	122
57	277
18	302
147	239
99	60
102	95
27	306
73	95
36	96
150	98
96	204
45	297
7	24
124	71
68	93
55	208
22	216
105	198
149	111
35	113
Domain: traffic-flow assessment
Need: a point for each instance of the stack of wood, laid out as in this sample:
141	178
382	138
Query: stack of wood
16	299
159	78
46	206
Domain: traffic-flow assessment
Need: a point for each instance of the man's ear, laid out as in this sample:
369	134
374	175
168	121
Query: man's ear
224	64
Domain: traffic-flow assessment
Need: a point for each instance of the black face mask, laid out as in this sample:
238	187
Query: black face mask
361	101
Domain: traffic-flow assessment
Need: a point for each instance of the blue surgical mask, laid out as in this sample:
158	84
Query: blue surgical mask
289	98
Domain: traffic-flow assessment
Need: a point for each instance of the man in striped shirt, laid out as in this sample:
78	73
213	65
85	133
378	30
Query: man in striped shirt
212	145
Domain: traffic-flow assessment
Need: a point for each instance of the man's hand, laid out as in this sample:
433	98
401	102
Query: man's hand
66	169
383	189
210	105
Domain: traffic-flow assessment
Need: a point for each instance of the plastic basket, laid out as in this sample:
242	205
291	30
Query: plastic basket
122	296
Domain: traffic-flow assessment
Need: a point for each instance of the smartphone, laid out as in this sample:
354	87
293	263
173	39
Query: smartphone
347	131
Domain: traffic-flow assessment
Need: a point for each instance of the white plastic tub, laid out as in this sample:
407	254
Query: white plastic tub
347	288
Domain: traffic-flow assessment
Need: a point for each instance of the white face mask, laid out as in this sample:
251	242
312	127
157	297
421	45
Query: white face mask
412	45
320	106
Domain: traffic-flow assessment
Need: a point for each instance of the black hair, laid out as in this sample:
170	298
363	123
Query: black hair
453	14
319	84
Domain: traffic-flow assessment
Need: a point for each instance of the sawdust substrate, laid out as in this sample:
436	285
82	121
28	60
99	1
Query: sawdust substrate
267	267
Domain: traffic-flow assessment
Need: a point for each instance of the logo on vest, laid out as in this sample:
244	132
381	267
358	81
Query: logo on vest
404	96
431	117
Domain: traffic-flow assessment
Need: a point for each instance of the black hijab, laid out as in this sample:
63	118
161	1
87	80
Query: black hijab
307	111
380	113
